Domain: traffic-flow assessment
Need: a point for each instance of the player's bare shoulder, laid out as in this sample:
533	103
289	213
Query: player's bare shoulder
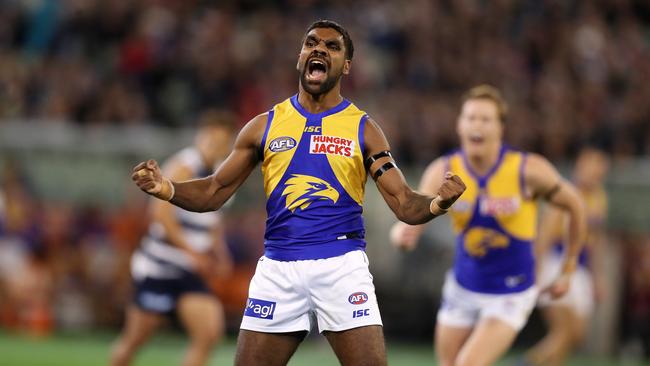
374	138
251	134
539	175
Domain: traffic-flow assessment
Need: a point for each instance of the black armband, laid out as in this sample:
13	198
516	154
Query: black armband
378	173
371	159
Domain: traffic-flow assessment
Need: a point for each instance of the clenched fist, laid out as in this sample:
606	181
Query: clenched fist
149	178
452	187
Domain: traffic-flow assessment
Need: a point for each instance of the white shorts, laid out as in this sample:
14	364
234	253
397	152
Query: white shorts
580	296
463	308
338	292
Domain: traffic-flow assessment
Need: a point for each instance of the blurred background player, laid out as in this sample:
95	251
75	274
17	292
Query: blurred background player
490	292
568	316
181	252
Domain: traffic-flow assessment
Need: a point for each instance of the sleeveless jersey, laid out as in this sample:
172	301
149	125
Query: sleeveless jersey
596	211
196	227
495	224
314	181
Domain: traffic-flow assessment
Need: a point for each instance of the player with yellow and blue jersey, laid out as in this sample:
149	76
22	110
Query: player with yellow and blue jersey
568	317
490	292
316	149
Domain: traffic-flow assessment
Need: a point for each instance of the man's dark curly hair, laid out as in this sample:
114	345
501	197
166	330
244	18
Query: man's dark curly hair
323	23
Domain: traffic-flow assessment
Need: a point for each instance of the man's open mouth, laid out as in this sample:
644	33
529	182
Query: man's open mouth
316	70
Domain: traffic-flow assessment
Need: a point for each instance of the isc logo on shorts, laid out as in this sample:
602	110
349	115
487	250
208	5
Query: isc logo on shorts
361	312
358	298
257	308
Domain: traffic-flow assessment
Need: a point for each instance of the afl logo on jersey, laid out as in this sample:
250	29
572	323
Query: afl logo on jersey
358	298
283	143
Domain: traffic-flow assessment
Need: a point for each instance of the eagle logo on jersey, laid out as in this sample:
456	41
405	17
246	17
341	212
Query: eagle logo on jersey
301	190
479	240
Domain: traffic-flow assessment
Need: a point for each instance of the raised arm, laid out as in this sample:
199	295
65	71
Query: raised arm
209	193
405	236
543	181
409	206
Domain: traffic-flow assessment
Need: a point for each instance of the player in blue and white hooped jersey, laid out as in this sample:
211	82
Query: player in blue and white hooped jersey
181	251
490	292
568	317
316	149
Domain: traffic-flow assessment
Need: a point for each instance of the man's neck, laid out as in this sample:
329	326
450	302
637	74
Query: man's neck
482	163
319	103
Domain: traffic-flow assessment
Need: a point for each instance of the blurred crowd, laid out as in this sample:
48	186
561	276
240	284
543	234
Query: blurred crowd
66	267
572	70
58	262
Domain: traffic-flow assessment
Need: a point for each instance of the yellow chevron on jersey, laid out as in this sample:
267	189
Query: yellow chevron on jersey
285	125
501	198
349	171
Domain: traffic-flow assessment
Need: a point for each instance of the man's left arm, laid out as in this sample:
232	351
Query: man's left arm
409	206
543	181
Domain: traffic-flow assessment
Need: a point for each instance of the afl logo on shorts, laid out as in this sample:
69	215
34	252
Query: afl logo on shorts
283	143
358	298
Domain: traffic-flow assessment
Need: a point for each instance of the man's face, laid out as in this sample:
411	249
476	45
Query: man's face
479	126
322	62
591	168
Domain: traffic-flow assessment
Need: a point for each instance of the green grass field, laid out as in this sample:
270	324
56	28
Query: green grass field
92	349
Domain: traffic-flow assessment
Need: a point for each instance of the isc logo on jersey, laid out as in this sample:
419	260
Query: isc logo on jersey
282	143
331	145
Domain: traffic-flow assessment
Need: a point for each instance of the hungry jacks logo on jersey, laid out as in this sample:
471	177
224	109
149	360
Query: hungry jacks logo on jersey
331	145
301	190
499	206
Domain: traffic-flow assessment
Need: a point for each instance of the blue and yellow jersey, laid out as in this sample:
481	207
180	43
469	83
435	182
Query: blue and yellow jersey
314	180
596	210
495	224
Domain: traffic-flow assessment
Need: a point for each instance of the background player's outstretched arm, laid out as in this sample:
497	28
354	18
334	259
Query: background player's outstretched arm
409	206
405	236
209	193
543	181
552	219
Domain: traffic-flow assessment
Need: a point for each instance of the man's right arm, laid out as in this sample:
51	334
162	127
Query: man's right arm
211	192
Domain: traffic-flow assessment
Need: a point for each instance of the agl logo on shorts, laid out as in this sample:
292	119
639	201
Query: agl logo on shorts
257	308
358	298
